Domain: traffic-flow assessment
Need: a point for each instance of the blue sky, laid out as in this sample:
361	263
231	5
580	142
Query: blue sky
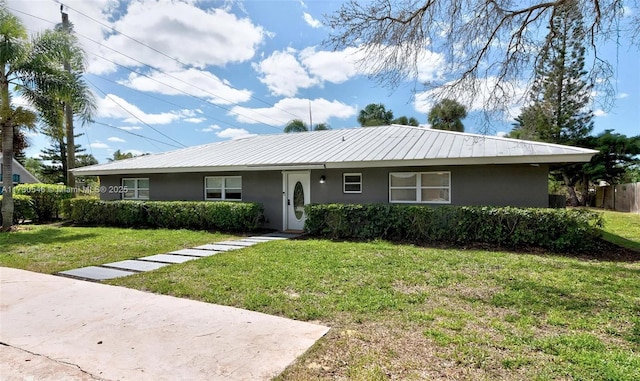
182	73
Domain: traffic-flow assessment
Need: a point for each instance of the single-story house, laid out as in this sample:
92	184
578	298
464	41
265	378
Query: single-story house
388	164
20	174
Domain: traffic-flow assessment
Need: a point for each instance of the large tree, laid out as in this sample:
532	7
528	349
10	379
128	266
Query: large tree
55	166
24	120
375	114
33	68
561	93
447	115
297	125
488	46
618	153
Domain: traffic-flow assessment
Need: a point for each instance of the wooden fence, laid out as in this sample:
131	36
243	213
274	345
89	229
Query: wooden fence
622	197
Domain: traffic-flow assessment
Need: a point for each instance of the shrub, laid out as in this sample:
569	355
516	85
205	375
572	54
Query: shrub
46	198
199	215
22	208
555	229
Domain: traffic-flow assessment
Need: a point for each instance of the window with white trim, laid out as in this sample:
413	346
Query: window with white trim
135	189
223	188
420	187
352	182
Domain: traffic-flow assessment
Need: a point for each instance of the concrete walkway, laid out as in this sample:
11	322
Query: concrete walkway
133	266
56	328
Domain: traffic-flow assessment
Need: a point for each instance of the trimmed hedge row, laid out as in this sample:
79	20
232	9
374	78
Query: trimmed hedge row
197	215
555	229
22	208
46	199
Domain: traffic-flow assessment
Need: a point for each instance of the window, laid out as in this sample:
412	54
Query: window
426	187
223	188
135	189
352	182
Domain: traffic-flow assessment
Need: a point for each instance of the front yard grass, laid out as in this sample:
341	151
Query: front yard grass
51	248
622	229
397	311
406	312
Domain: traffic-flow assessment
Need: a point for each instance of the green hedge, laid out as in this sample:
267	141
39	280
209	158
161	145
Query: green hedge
198	215
46	198
22	208
555	229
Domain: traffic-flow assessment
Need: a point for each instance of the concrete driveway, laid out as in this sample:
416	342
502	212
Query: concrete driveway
54	328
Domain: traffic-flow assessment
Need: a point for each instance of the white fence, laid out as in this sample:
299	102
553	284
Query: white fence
622	197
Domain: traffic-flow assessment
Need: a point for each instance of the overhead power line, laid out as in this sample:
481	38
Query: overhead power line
163	53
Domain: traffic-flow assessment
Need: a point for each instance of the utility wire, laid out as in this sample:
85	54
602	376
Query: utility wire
164	54
133	115
167	74
138	135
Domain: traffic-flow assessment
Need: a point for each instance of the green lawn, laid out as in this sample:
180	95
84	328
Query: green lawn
397	311
406	312
622	229
50	248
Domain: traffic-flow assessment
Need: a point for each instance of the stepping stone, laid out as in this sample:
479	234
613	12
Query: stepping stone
265	238
283	235
195	252
96	273
255	240
236	243
167	258
215	247
135	265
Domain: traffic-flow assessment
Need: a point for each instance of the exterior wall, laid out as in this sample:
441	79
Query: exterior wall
262	187
25	176
497	185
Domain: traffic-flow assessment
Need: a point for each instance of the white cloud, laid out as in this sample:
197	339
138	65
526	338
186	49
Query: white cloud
130	128
134	152
599	112
283	74
98	144
192	81
622	95
195	120
311	21
112	106
292	108
234	133
116	139
194	36
211	128
335	67
424	101
501	134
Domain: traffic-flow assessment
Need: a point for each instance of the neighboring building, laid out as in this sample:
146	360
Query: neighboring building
20	174
395	164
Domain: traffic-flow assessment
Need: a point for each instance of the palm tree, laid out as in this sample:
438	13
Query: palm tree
375	115
34	68
23	119
446	115
297	125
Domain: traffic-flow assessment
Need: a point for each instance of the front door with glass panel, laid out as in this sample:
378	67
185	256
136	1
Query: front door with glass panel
296	197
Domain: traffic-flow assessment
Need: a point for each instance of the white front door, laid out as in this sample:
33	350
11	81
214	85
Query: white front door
296	197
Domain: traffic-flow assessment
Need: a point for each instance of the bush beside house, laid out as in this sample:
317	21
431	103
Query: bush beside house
22	208
554	229
221	216
46	199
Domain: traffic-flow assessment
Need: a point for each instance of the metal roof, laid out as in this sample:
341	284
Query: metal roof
391	146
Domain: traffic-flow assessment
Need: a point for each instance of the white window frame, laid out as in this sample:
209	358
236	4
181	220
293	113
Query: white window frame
224	188
418	187
344	182
136	188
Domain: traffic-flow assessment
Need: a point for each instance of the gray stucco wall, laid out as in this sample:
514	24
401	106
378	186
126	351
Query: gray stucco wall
498	185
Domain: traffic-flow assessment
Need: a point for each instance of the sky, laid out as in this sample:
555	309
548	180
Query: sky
169	74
